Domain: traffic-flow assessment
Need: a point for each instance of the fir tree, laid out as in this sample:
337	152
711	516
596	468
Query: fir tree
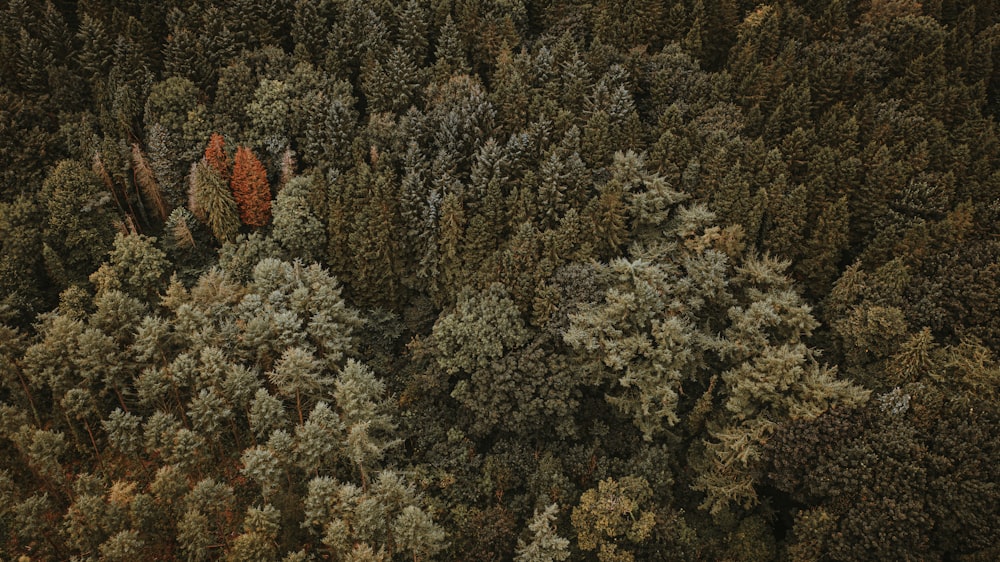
216	156
545	545
250	188
213	202
78	227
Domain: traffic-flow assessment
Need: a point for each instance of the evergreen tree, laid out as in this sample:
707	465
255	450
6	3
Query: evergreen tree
136	267
296	225
21	264
449	52
213	202
366	416
269	118
250	188
216	156
545	545
553	315
78	227
613	514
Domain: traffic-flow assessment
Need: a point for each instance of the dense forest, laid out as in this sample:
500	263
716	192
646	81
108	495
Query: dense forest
531	280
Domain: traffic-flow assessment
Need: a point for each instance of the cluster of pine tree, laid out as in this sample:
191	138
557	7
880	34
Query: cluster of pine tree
531	280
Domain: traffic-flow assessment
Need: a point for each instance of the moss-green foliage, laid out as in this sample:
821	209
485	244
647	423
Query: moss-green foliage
79	222
544	280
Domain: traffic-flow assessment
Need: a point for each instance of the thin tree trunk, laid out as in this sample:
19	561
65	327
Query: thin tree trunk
100	461
121	399
31	401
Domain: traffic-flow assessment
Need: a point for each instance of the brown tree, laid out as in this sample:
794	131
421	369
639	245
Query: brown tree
250	188
216	156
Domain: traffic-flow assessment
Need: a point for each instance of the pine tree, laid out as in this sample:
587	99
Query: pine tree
152	197
545	545
122	546
94	53
616	512
269	118
212	201
21	263
78	227
250	189
415	531
413	17
366	415
194	535
449	53
216	156
626	25
258	543
136	266
296	224
309	25
319	442
373	239
825	247
299	374
266	414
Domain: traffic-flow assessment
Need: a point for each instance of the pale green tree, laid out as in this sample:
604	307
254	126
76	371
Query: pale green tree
545	544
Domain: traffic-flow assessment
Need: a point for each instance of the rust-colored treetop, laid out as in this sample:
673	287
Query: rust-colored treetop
250	188
216	156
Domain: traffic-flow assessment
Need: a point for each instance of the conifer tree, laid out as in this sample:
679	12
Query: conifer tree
557	322
373	239
212	201
250	189
94	53
825	247
21	262
545	545
413	17
298	373
258	543
366	415
122	546
296	224
449	52
308	31
216	156
269	117
136	266
616	512
78	227
414	531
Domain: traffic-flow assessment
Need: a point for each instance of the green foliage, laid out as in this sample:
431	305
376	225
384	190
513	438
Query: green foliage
461	336
545	545
519	254
79	221
885	471
212	202
296	225
21	264
611	515
298	373
136	267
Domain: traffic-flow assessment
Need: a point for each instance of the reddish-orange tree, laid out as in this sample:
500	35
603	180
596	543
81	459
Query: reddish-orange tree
216	156
250	189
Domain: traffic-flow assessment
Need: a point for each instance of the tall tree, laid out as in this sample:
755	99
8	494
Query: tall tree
212	201
250	188
79	224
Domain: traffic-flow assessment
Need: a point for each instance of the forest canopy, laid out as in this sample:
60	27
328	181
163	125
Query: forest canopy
530	280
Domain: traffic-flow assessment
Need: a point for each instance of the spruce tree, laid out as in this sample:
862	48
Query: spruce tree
213	202
250	189
545	545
